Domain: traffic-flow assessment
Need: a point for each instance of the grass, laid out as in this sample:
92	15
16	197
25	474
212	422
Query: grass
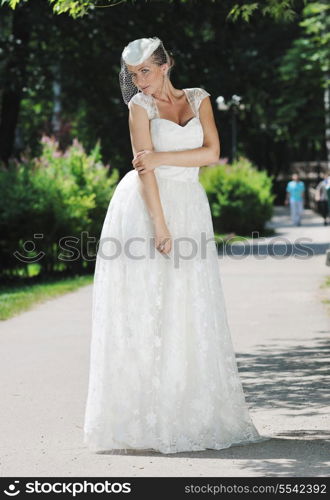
229	238
24	293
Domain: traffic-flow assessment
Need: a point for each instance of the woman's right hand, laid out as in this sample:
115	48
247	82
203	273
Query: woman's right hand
163	238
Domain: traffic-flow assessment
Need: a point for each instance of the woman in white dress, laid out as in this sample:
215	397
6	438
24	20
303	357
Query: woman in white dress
163	373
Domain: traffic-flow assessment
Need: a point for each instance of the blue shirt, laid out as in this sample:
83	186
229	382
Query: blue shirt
295	188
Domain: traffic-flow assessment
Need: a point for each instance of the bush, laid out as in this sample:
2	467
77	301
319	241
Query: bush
57	195
240	197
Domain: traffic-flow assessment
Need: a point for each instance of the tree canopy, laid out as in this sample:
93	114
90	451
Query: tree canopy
62	71
277	9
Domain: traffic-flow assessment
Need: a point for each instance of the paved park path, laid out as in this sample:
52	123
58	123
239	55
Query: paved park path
280	329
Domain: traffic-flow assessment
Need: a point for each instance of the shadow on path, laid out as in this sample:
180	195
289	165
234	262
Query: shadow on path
288	378
292	377
276	457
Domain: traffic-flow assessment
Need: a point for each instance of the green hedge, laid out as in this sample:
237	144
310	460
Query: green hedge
240	197
57	195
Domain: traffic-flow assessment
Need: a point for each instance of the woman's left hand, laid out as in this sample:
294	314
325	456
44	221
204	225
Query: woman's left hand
145	161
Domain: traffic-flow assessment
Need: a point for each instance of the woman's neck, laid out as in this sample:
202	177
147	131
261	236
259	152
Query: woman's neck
168	94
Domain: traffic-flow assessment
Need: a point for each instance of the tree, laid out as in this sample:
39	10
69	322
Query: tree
279	10
73	65
305	70
14	80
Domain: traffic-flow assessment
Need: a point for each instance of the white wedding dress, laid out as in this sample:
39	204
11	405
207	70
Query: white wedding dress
163	373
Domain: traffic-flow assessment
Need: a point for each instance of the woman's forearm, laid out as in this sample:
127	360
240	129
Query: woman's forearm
150	193
197	157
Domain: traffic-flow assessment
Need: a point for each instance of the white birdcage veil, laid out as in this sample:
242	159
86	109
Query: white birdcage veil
135	53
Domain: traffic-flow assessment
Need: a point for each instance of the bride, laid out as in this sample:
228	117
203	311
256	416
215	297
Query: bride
163	373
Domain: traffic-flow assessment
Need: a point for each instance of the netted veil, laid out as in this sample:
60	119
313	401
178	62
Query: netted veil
135	53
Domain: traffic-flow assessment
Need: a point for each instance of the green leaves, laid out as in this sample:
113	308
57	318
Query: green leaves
243	12
59	194
240	196
75	8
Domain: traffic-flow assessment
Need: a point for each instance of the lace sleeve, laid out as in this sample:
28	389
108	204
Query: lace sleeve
142	100
199	94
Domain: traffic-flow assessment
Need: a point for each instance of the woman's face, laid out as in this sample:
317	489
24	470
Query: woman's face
147	76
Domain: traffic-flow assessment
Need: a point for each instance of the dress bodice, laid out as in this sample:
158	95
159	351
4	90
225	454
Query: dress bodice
167	135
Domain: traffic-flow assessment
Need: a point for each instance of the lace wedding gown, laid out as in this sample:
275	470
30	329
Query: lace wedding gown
163	373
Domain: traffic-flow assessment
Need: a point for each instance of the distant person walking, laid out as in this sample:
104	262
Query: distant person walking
322	195
295	194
